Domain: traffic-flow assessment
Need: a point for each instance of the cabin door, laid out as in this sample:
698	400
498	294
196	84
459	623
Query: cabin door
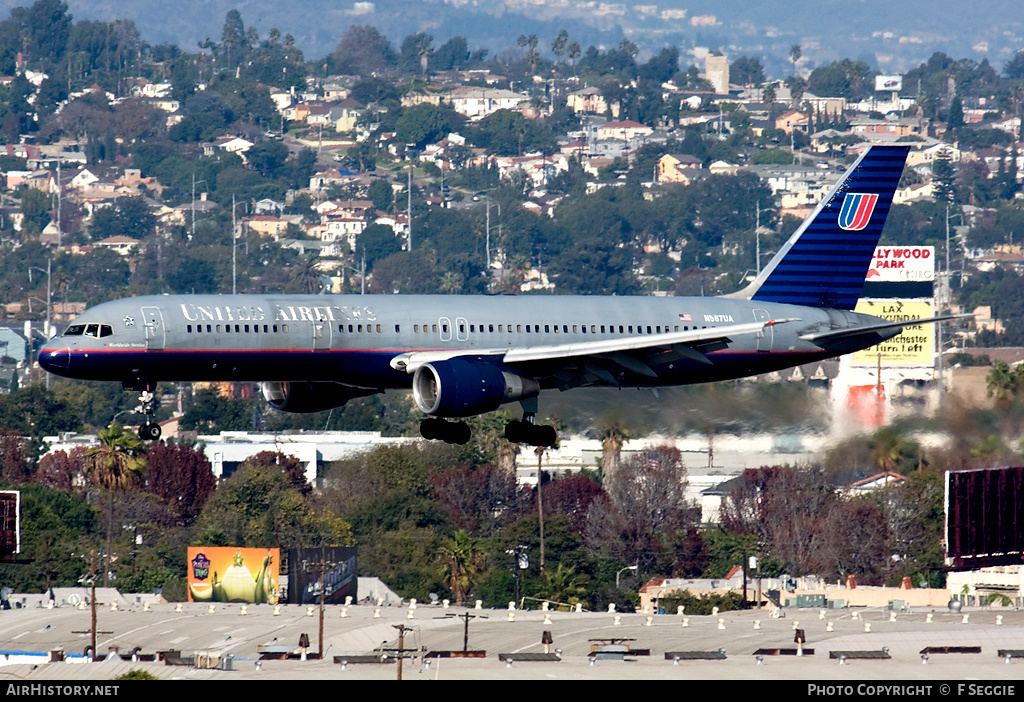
156	333
766	336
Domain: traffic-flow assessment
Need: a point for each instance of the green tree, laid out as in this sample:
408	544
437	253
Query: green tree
114	466
460	559
258	506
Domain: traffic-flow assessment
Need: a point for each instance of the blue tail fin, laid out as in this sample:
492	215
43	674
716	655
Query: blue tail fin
825	261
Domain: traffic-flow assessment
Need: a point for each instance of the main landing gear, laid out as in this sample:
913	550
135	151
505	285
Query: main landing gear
524	431
449	432
518	431
148	404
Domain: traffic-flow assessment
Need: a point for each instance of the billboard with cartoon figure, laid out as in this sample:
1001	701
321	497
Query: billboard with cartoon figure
228	574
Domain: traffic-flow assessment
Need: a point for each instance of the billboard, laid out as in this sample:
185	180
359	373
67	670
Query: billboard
338	566
902	264
901	272
10	529
985	517
914	346
229	574
888	84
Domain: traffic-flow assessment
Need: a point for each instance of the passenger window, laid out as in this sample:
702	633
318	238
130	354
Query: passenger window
284	328
490	328
416	328
188	328
397	330
275	329
620	328
631	329
519	328
648	329
359	328
199	328
574	331
547	329
209	329
227	328
433	328
602	329
379	329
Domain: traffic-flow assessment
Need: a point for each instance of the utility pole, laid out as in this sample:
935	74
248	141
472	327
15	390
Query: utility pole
402	628
540	502
409	206
234	268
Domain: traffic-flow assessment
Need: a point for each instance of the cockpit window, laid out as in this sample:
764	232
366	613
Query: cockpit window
95	330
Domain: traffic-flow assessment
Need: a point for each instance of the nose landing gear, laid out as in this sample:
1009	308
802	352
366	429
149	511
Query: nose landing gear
148	403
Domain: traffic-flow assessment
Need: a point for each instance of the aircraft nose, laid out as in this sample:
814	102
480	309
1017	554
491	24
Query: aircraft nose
55	357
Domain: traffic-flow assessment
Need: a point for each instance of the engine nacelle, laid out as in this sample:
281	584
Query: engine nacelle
461	388
307	396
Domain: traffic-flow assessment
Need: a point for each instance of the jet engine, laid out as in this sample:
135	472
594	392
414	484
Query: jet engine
306	396
463	388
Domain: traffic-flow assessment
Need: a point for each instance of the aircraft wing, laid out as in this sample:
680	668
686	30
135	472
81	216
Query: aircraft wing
594	358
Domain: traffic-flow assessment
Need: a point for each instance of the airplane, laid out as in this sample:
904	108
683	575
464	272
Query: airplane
467	355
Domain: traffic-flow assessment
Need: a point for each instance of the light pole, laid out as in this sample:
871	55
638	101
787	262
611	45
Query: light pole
194	184
634	568
46	332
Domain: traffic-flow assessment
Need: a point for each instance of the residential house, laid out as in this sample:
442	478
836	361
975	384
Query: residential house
792	120
332	177
477	103
623	131
589	101
345	114
678	168
122	245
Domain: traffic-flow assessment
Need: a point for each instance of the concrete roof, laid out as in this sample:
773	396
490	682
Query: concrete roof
228	631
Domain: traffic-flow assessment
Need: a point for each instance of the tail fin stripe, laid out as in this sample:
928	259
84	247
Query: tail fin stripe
825	262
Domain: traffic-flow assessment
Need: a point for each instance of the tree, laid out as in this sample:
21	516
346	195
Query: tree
460	560
943	175
646	514
559	44
181	476
115	465
258	506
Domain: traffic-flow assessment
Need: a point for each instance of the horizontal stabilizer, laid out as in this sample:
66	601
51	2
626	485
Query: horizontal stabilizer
837	334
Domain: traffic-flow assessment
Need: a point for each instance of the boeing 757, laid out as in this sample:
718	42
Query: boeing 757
467	355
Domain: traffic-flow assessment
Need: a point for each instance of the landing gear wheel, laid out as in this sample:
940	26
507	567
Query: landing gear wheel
150	431
524	432
433	428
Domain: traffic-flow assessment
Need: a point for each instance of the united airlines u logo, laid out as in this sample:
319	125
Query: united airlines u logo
856	211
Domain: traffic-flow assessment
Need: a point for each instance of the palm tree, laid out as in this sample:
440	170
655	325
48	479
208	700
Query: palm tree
614	433
562	585
559	44
460	558
114	466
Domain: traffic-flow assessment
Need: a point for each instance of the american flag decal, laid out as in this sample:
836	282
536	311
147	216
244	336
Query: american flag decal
684	318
